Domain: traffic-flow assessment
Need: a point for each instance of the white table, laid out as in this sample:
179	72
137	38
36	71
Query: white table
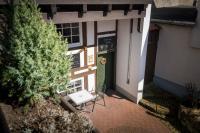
81	97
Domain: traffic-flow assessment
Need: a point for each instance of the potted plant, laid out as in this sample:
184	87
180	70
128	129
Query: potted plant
189	112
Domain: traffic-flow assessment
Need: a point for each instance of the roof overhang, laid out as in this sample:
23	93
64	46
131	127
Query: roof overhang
88	1
171	22
174	3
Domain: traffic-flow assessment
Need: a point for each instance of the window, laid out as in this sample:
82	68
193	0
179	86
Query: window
75	85
106	43
70	31
76	60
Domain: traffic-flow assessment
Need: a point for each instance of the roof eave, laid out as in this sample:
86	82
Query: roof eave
89	1
172	22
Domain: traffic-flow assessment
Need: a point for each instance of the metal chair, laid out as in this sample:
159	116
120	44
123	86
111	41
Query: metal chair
99	94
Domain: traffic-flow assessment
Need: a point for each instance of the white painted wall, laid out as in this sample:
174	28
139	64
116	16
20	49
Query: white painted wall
122	57
90	33
137	60
90	56
143	51
108	25
63	17
91	82
176	60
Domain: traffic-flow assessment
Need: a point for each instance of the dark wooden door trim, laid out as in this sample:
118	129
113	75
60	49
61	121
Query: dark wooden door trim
84	32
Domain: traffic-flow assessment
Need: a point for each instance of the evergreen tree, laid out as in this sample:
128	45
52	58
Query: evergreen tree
36	61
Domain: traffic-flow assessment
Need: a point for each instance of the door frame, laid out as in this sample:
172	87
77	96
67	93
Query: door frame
107	34
151	53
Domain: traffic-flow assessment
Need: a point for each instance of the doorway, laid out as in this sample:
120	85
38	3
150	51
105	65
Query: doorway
151	53
105	62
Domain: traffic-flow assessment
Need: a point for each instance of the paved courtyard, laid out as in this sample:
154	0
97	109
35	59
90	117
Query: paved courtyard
123	116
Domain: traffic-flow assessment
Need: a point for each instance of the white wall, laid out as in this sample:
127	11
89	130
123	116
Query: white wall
91	82
143	51
177	61
137	59
108	25
63	17
90	33
122	57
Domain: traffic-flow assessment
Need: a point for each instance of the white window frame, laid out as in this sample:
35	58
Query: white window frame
74	80
104	35
82	83
71	52
73	45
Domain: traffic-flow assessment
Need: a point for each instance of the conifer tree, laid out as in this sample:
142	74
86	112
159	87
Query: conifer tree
37	64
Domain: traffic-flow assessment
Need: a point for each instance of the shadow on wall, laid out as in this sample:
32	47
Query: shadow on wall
171	87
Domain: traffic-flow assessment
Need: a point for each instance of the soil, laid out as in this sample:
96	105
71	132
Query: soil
45	117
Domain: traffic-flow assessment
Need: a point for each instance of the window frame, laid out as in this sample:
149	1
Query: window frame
69	90
71	45
74	61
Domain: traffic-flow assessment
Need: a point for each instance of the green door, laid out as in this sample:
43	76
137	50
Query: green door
105	70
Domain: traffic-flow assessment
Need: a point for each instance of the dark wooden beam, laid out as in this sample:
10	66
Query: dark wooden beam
115	61
84	30
53	9
80	14
106	32
95	50
139	25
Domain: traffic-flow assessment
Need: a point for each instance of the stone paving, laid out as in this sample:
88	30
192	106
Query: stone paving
121	115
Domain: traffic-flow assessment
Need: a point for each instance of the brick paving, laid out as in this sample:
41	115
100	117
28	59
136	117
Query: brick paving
121	115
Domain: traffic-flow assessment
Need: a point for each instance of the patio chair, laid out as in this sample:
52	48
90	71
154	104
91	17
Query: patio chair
99	94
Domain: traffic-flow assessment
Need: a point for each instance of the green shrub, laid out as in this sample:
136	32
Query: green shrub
35	61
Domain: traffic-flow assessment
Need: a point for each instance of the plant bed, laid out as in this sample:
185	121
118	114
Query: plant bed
45	117
163	106
190	118
154	107
159	101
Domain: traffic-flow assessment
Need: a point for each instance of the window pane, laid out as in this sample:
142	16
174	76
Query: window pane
79	88
59	31
58	26
76	61
75	31
69	40
66	32
67	25
75	39
71	85
75	24
77	83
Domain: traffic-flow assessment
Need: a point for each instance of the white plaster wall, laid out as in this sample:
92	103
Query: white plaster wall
137	59
90	33
91	82
143	51
90	54
176	60
122	57
108	25
63	17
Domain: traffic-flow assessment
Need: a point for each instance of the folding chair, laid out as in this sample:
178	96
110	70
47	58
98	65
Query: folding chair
99	94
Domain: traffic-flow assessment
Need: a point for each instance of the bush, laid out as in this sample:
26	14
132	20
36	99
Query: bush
35	64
